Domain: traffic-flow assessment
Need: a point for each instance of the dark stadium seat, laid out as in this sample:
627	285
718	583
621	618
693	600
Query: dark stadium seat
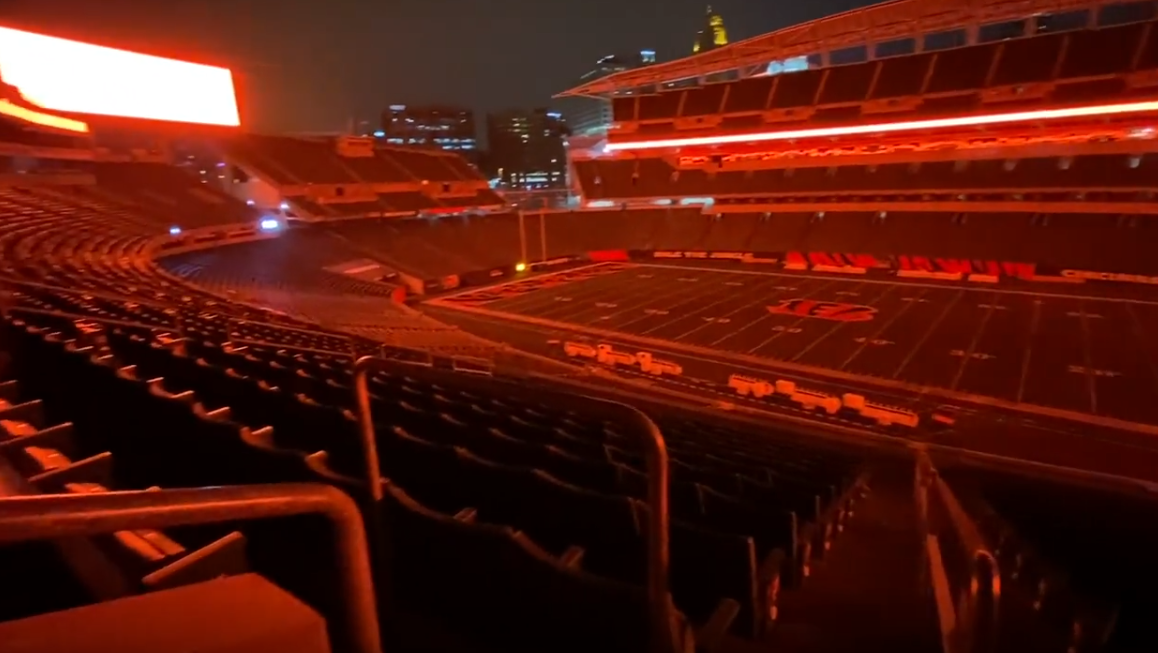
495	584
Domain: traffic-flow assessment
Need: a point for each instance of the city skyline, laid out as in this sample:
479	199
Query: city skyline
311	67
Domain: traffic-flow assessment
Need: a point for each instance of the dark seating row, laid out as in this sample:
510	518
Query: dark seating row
656	178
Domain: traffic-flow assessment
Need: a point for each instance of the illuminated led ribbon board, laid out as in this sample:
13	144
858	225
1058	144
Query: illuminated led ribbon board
1094	111
7	108
73	77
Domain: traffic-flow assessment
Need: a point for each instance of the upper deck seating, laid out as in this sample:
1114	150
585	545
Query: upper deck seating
659	178
1082	65
405	180
171	194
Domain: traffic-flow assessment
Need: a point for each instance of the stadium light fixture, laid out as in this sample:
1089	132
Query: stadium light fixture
1100	110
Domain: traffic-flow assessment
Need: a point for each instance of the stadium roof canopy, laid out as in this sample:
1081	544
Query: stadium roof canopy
875	24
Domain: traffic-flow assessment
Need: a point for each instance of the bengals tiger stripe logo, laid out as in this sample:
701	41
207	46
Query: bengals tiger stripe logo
834	311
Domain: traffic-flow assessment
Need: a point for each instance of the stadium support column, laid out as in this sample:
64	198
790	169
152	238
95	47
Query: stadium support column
522	238
543	232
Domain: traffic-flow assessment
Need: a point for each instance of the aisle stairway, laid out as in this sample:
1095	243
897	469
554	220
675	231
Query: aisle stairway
867	593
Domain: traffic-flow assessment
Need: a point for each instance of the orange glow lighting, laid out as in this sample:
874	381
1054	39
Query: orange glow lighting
75	77
892	127
44	119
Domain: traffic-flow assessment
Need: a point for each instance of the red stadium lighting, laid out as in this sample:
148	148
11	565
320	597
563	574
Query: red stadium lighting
40	118
1100	110
73	77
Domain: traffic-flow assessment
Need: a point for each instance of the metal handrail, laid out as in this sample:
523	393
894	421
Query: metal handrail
661	610
984	571
69	515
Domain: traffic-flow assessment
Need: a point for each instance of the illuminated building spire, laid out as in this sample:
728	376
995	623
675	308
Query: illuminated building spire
713	35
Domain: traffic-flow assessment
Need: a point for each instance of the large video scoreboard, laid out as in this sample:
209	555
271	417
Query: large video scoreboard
81	78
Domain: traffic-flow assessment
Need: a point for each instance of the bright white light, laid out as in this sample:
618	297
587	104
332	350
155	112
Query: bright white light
285	206
249	202
269	224
600	204
62	75
520	267
892	127
174	231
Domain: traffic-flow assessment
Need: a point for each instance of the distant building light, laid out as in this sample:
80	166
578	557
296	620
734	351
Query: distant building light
174	231
269	224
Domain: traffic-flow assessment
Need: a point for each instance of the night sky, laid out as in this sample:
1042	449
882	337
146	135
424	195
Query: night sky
311	65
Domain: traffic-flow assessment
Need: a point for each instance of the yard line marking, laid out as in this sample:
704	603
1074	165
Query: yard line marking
1140	335
909	284
970	353
1087	355
1034	322
723	298
920	343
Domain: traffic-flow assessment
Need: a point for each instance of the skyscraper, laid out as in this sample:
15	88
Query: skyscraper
589	116
442	127
527	149
713	35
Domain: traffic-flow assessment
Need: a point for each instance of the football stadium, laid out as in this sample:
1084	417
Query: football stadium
884	324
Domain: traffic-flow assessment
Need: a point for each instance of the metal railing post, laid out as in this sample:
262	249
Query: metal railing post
661	610
69	515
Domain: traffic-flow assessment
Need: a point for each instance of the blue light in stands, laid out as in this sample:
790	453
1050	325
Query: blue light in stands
174	231
379	134
269	224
